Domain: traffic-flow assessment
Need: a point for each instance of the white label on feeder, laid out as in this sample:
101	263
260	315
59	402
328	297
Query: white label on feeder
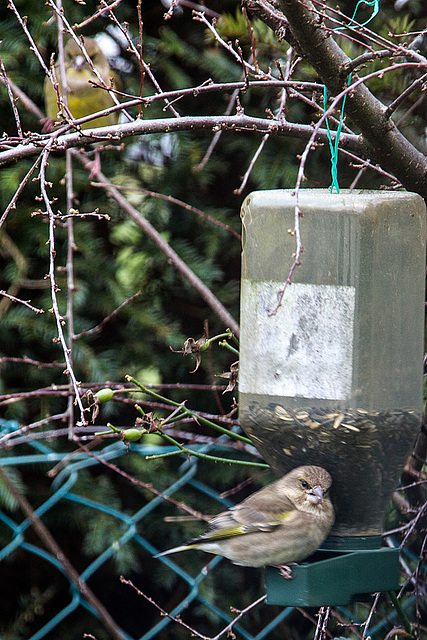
305	349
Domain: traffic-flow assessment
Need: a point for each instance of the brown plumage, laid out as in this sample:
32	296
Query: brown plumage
83	98
281	523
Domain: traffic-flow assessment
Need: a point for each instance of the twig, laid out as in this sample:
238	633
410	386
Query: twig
351	625
322	623
173	257
161	125
200	17
199	7
180	203
139	47
65	390
12	203
83	433
29	104
24	302
368	164
35	425
71	247
76	214
371	613
178	620
145	485
37	363
105	7
402	97
251	34
198	454
53	286
62	18
280	114
6	82
34	48
232	101
196	416
240	85
144	66
100	326
251	164
289	69
310	144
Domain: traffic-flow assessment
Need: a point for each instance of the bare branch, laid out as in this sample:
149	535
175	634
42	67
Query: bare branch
50	542
180	203
161	243
100	326
320	49
235	123
225	631
53	286
24	302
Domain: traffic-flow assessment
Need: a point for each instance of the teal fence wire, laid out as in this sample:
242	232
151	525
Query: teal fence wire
136	529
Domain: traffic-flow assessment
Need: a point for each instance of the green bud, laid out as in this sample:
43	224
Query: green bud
104	395
133	435
153	439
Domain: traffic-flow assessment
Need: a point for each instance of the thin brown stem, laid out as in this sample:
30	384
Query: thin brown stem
172	256
51	544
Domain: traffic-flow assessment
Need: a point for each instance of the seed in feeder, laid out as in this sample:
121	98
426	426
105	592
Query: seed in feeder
340	417
302	415
350	426
282	414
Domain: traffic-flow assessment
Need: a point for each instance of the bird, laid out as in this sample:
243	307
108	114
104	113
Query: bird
281	524
83	98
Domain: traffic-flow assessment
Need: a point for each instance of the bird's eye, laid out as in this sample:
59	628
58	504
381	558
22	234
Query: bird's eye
304	484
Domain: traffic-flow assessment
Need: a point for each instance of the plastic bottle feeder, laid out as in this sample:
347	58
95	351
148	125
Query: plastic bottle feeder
333	376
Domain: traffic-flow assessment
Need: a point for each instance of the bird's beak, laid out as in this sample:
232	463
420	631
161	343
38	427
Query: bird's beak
78	62
315	495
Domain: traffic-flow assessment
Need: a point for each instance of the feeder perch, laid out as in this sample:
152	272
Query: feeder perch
333	376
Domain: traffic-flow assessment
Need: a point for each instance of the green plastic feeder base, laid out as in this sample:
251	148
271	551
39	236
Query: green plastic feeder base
335	578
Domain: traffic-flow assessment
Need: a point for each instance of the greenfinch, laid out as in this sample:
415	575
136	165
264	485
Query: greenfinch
285	522
83	98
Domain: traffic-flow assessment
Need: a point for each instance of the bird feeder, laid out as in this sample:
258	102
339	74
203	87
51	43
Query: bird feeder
333	375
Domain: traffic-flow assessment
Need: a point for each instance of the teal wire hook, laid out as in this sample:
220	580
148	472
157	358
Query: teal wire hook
334	146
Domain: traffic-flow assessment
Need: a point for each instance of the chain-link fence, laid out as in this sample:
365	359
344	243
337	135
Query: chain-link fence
196	591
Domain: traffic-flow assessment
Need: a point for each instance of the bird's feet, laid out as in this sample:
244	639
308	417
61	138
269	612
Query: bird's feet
286	571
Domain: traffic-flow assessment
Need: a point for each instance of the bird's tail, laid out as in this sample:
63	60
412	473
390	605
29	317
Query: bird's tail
183	547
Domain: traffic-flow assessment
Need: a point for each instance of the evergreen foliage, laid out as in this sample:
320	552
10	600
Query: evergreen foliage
113	261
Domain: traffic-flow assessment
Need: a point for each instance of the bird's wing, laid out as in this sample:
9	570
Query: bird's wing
251	516
235	529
